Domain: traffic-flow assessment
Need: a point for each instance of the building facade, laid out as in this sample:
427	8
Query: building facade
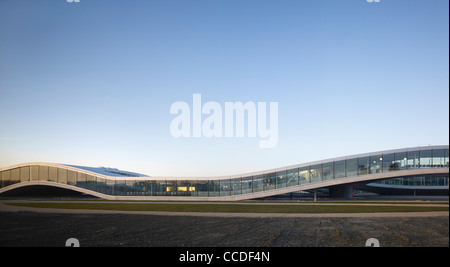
108	183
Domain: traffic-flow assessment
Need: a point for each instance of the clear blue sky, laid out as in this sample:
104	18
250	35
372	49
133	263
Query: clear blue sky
91	83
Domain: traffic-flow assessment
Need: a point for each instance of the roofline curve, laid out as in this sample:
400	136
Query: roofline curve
179	178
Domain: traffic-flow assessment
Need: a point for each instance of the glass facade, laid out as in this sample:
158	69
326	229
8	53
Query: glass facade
363	165
127	186
376	164
416	181
339	169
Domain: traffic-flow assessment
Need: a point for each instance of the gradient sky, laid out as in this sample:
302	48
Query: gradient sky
91	83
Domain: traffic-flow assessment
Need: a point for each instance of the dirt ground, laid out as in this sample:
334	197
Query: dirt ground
27	229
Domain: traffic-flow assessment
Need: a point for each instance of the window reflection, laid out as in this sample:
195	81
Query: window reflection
352	167
62	175
413	159
270	180
225	188
304	175
339	169
281	179
376	164
202	188
247	184
292	177
258	183
363	165
25	174
235	186
438	158
389	163
316	173
401	161
328	171
425	159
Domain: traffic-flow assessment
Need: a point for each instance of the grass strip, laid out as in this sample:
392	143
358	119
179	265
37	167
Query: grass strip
231	208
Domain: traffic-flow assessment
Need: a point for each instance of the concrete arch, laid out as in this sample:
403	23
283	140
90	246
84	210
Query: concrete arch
51	184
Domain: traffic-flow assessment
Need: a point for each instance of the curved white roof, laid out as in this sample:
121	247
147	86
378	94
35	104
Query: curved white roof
108	171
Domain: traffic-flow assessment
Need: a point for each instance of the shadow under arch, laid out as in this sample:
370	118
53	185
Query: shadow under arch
44	191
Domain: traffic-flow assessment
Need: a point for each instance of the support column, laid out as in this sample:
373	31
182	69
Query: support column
341	191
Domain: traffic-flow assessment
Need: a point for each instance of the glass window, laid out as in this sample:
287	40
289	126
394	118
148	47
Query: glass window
339	169
258	183
408	181
281	179
388	163
15	175
247	185
376	164
171	188
236	186
214	188
192	188
91	182
270	180
121	188
25	174
43	173
6	178
316	173
418	181
446	158
110	186
1	180
101	185
81	180
202	188
34	173
328	171
401	161
363	165
72	178
438	158
159	188
352	167
225	188
130	189
147	187
292	177
304	175
429	181
62	175
184	188
425	159
413	159
52	174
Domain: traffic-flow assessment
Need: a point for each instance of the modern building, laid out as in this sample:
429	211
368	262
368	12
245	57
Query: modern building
419	168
